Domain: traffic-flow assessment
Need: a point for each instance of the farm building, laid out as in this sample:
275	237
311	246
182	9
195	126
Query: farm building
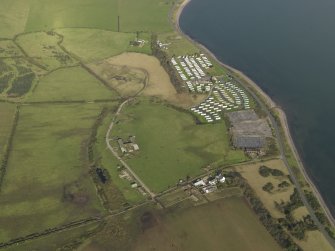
128	146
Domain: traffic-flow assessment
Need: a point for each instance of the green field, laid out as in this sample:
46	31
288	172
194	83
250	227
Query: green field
102	14
13	16
47	181
70	84
171	145
7	112
227	224
43	48
57	240
99	44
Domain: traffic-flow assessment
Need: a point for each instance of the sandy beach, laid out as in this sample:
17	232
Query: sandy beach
265	98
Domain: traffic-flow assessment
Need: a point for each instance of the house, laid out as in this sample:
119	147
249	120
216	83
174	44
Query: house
198	183
128	146
121	145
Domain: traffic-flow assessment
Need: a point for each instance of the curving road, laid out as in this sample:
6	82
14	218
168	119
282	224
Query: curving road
138	179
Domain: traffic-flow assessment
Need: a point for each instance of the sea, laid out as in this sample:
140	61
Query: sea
288	48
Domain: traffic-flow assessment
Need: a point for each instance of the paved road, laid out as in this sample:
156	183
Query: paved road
138	179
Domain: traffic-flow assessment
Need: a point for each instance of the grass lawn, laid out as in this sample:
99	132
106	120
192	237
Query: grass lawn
47	181
43	48
7	112
70	84
227	224
171	145
145	15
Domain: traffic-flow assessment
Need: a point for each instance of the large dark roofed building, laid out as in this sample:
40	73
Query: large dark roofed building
249	142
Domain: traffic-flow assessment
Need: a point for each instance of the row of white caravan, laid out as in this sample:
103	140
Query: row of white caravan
225	97
197	87
191	67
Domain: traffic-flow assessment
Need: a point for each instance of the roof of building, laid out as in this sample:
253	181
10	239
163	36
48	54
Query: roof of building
248	142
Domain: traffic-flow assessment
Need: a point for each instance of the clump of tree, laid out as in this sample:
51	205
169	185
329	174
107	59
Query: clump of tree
297	228
283	184
312	200
268	187
22	84
267	171
165	62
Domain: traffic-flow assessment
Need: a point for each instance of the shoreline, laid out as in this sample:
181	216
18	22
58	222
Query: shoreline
268	102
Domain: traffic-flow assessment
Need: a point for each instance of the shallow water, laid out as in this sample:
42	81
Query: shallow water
288	48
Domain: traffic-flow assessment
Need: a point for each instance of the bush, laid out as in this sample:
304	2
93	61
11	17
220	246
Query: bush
283	184
264	171
268	187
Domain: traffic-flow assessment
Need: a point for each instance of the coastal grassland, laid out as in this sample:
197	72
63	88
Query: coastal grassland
9	49
43	48
299	213
13	17
104	158
171	145
91	45
57	241
159	84
70	84
227	224
251	173
145	15
47	182
177	44
125	80
7	113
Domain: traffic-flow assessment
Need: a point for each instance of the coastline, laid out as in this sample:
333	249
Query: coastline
268	102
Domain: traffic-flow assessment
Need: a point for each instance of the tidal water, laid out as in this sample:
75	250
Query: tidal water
288	48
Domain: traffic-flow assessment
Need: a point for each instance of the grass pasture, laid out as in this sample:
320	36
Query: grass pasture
145	15
70	84
227	224
43	48
93	45
126	80
13	16
171	145
47	182
251	174
57	240
159	84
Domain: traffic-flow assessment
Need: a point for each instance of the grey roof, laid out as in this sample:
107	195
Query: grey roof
241	116
252	142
